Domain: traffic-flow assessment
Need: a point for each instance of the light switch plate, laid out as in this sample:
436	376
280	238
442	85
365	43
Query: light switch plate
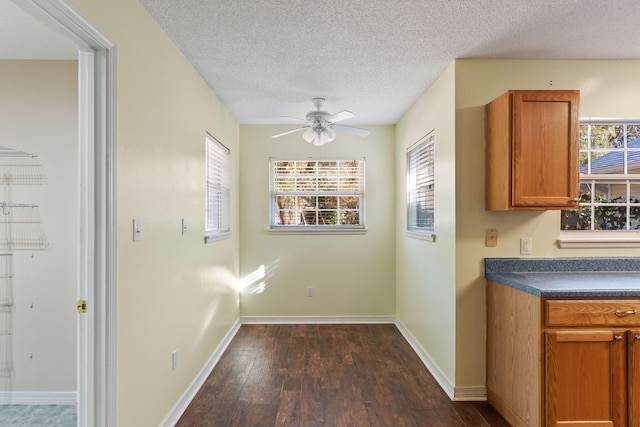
137	231
491	237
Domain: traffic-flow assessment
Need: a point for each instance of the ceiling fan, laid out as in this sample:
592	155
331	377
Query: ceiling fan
321	126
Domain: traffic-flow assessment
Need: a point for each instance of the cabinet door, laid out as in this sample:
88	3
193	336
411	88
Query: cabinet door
545	149
634	377
586	378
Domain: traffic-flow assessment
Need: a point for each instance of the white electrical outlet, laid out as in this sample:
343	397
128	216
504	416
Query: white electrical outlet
525	246
309	291
174	360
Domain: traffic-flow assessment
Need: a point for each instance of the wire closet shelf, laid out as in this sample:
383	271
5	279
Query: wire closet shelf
20	168
21	229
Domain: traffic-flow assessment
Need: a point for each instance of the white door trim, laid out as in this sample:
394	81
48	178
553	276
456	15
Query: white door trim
97	173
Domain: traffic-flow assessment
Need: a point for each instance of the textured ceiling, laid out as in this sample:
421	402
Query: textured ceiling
266	59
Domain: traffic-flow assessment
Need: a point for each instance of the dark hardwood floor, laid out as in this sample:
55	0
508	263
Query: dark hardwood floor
327	375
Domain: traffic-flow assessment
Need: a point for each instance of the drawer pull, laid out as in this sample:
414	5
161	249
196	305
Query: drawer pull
637	337
625	313
617	337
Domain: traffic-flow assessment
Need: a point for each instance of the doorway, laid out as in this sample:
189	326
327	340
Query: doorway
95	206
39	235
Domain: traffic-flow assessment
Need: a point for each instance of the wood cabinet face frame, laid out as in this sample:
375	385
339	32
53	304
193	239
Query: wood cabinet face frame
633	375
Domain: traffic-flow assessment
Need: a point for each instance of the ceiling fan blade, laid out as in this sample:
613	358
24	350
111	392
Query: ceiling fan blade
288	132
342	115
293	118
351	130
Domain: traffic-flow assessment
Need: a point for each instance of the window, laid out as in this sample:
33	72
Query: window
218	178
317	194
609	177
420	187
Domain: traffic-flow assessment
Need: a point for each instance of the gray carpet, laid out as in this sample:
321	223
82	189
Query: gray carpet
38	416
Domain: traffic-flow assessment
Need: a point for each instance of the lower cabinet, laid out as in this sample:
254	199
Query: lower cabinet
563	362
586	378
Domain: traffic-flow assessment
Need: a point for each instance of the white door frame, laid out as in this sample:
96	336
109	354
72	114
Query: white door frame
97	210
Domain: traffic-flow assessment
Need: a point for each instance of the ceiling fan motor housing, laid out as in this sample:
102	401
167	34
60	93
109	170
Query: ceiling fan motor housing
317	116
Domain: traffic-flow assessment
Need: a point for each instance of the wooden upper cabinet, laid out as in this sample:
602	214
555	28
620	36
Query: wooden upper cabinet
531	150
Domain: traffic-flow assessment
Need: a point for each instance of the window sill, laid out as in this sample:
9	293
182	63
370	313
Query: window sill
429	237
210	238
599	239
311	230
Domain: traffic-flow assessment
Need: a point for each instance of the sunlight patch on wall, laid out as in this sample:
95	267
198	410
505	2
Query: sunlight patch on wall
257	281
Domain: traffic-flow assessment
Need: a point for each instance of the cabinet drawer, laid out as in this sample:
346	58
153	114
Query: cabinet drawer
592	312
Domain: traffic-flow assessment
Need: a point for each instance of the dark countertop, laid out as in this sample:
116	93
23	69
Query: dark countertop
568	277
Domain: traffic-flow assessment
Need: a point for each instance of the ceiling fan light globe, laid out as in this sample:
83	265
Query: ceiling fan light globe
324	138
330	133
309	135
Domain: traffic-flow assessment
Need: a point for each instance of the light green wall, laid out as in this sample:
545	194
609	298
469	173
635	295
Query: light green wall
353	275
426	271
608	89
174	292
39	115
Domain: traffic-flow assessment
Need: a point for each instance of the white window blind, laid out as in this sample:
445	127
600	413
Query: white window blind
317	193
218	178
420	186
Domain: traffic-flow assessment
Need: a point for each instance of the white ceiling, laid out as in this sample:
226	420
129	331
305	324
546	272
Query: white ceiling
266	59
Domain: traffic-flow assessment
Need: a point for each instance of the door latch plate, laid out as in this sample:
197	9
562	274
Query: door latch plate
82	306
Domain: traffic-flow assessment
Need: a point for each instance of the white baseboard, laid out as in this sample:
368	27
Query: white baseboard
38	398
316	319
472	393
192	390
433	368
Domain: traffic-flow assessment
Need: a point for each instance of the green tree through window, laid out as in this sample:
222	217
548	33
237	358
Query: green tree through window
609	177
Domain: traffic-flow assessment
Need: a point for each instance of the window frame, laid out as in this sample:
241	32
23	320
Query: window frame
594	238
218	188
421	154
318	229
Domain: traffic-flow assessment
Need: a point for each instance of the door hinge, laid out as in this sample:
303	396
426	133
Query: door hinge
82	306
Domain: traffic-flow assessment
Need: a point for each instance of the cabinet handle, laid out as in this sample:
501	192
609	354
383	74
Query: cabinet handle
625	313
575	199
637	337
617	337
